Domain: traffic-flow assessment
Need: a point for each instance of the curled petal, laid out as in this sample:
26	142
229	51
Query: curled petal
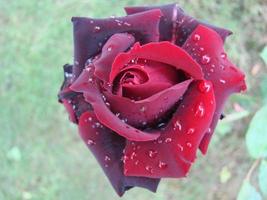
173	152
206	47
103	113
175	25
143	112
164	52
91	34
107	148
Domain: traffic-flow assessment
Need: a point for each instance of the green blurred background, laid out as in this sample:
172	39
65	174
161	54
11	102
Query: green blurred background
41	154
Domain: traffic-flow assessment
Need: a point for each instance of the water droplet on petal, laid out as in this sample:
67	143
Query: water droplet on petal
168	140
124	158
222	81
178	125
190	131
142	109
90	119
204	86
96	28
109	48
149	169
91	142
107	158
136	162
152	153
223	55
199	110
196	37
205	59
189	144
162	165
133	155
180	147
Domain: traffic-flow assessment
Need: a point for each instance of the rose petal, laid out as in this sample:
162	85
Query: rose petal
107	148
103	113
175	24
174	151
164	52
209	53
91	34
141	113
117	43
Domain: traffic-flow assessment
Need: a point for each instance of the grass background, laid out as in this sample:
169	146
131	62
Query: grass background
41	155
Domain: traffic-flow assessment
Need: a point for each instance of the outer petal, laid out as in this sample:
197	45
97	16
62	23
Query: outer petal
103	113
174	151
107	148
91	34
206	47
175	25
164	52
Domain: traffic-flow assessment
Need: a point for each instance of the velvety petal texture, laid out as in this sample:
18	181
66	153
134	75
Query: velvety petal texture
146	91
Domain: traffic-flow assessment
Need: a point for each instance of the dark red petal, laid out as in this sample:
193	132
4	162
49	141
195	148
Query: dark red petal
173	152
117	43
164	52
146	111
104	114
70	110
175	24
91	34
107	148
206	47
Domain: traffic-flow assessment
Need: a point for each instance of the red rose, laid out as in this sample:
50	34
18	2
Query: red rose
147	90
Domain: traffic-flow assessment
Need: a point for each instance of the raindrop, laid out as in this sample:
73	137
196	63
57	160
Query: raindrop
91	21
107	158
161	125
91	142
162	165
106	165
200	111
108	104
117	114
189	144
149	169
136	162
159	141
196	37
152	153
133	155
222	81
90	119
201	49
90	80
223	55
144	123
96	28
168	140
181	148
204	86
178	125
97	124
109	48
205	59
190	131
142	109
124	158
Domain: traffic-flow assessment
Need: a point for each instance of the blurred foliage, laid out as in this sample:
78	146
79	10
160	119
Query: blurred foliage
41	154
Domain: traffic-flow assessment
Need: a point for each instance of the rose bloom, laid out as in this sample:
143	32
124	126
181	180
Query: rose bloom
146	91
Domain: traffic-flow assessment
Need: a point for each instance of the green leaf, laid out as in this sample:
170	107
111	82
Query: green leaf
14	154
264	54
248	192
263	177
263	88
256	137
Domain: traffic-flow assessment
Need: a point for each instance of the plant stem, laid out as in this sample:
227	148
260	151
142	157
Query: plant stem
252	168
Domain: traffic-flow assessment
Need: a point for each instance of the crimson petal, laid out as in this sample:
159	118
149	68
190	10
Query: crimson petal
107	148
164	52
175	24
174	151
145	111
208	51
103	113
90	34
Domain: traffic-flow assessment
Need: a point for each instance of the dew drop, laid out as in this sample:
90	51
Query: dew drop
96	28
97	124
152	153
180	147
90	80
136	162
204	86
190	131
124	158
106	165
205	59
159	141
168	140
222	81
91	142
200	110
90	119
160	125
201	49
188	144
196	37
133	155
109	48
223	55
162	165
107	158
144	123
178	125
149	169
142	109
